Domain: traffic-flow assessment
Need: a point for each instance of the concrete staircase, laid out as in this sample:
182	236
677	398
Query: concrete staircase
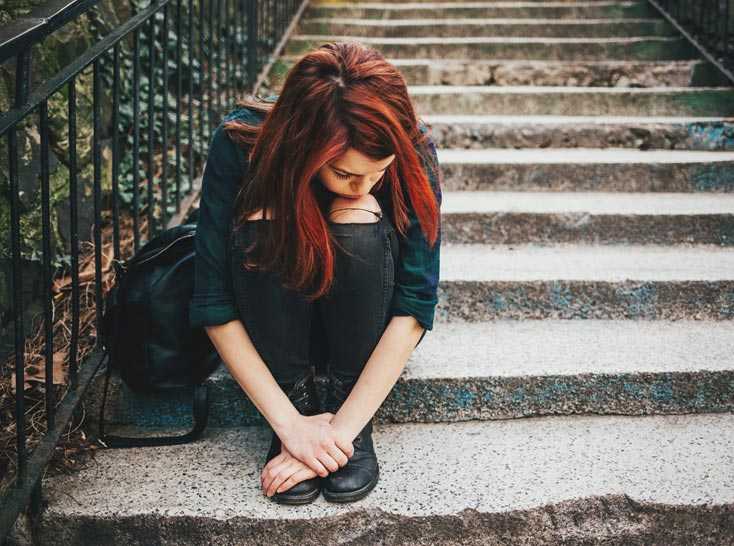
587	286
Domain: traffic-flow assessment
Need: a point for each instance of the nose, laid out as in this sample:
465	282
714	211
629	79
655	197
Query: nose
362	186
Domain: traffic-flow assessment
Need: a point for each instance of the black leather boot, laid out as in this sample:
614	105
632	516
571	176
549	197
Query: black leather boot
359	476
303	395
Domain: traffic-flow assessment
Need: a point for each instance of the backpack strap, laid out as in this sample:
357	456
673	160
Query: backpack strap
200	408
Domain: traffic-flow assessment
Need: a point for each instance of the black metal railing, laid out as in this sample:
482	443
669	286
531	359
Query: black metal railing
159	81
708	25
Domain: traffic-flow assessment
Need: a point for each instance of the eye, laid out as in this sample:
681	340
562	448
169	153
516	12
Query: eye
343	176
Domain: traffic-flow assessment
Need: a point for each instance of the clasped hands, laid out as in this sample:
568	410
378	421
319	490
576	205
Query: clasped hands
310	446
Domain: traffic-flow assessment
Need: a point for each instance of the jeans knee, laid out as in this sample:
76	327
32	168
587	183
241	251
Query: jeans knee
364	210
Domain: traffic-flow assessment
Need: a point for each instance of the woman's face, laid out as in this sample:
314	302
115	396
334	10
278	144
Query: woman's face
353	174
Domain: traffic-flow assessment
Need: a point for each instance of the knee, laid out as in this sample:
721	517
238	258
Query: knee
258	215
342	210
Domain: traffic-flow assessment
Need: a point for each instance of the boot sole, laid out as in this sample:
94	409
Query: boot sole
351	496
303	499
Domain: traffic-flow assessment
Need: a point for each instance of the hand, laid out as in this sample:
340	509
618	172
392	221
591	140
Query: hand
283	472
313	440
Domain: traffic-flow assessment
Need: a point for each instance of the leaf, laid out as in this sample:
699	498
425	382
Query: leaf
37	372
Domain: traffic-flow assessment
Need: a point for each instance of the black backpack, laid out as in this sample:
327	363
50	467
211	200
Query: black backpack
146	332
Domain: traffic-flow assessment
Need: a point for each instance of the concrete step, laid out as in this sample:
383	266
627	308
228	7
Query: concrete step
583	169
552	480
507	369
401	3
578	101
587	217
439	10
535	27
644	48
693	73
651	282
644	133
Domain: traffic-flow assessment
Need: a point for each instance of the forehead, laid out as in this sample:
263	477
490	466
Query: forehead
354	161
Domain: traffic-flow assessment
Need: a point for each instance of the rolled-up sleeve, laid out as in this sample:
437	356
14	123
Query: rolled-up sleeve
212	301
416	283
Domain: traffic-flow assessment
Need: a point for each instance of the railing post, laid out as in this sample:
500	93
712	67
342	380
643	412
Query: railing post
252	25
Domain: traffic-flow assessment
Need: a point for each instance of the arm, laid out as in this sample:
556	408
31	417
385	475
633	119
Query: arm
379	375
412	311
252	374
212	305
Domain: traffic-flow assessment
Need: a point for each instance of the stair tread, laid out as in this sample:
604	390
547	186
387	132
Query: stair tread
578	155
479	21
512	348
549	202
569	120
559	89
523	62
522	348
397	6
486	39
524	463
578	262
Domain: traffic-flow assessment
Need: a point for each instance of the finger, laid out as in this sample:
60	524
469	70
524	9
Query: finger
328	461
270	471
273	473
272	462
282	476
346	447
310	461
315	465
339	456
304	473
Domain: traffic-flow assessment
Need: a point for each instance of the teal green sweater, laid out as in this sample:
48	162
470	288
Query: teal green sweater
212	301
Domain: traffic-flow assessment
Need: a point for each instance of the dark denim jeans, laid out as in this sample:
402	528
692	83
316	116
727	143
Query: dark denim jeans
339	330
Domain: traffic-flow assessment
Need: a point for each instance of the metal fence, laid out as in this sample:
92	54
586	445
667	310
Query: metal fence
708	24
171	69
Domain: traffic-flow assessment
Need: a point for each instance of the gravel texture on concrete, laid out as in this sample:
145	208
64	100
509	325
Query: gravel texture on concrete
662	479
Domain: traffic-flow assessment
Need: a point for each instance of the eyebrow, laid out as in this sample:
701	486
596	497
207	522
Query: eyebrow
355	174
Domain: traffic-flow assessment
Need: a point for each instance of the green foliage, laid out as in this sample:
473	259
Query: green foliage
65	45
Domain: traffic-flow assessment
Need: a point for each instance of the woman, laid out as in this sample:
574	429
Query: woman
318	240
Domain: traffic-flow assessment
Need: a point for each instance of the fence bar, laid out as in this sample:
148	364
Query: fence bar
251	42
116	152
689	18
151	127
46	229
190	124
201	78
210	60
97	192
17	291
227	50
179	95
217	61
164	122
74	230
136	140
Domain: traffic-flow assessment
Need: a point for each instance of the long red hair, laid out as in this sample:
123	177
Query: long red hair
340	95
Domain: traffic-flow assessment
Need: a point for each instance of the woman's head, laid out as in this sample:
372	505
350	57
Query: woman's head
343	124
353	174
